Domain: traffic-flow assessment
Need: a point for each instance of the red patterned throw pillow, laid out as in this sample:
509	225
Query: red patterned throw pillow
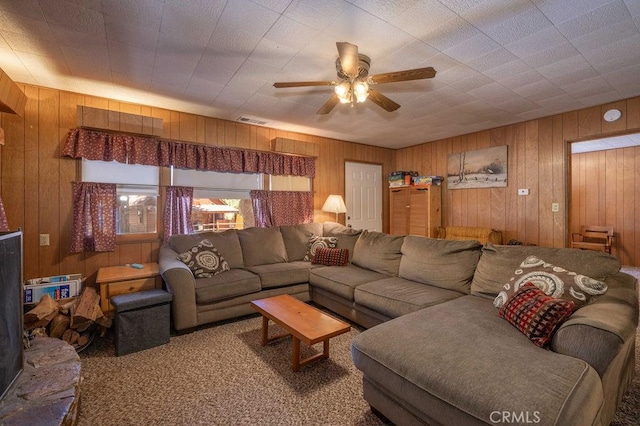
535	314
331	257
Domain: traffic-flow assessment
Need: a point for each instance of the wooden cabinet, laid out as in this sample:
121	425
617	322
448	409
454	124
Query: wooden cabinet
415	211
115	280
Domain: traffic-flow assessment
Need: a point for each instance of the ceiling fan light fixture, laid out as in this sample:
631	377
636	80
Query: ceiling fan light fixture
361	91
343	90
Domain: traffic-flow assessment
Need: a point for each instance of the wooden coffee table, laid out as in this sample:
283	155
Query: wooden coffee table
303	322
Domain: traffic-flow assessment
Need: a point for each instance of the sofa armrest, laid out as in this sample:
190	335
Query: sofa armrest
597	332
181	284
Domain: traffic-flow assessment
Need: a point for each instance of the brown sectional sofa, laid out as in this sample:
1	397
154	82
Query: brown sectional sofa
435	351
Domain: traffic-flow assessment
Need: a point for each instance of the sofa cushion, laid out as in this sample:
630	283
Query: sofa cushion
553	281
204	260
232	283
281	274
347	237
497	263
226	242
397	296
378	252
457	362
296	238
342	280
446	264
262	246
331	257
316	242
535	314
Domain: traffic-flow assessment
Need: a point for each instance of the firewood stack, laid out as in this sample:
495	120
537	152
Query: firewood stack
71	320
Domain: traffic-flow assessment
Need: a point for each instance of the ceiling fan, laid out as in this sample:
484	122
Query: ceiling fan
355	82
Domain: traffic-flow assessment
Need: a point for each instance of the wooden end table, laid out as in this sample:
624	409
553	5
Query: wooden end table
301	321
115	280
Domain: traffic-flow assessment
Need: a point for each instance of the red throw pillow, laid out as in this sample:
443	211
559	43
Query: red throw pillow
331	257
535	314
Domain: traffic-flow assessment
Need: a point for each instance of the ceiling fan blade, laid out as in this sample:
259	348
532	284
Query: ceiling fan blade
328	106
348	58
303	84
406	75
381	100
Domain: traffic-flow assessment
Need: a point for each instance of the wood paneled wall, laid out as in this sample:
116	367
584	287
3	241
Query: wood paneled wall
35	182
605	190
538	160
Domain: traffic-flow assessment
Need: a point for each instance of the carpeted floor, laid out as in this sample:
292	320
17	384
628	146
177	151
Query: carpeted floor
220	375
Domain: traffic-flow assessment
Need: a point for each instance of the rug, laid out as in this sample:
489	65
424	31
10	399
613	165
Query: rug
221	375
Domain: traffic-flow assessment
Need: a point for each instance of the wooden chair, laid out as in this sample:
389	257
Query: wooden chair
592	237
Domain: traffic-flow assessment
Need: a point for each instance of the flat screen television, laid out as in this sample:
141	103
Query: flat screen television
11	314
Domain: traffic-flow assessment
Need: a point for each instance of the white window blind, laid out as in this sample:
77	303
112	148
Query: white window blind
207	184
141	177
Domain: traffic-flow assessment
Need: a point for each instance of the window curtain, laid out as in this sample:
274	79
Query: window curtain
94	217
4	225
132	149
177	211
281	208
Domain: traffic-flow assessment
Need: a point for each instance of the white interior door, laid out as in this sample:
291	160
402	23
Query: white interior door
363	193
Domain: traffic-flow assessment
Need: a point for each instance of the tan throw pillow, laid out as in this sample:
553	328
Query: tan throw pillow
554	281
316	242
204	260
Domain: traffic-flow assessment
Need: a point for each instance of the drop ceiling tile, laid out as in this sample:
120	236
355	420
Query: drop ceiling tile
563	76
517	105
278	6
570	65
230	40
550	56
593	20
473	82
487	14
145	13
420	19
84	59
620	54
33	28
492	93
587	87
23	43
451	33
559	103
522	79
507	70
493	59
145	37
625	80
536	42
73	16
315	14
93	42
195	23
532	115
472	48
606	35
460	6
386	10
415	54
538	90
25	8
522	25
558	11
124	58
248	16
633	6
289	33
49	66
203	90
599	98
269	53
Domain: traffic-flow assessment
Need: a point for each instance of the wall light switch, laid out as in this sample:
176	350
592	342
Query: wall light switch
523	191
555	207
44	239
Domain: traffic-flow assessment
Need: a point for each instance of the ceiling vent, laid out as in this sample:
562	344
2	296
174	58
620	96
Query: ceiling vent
252	120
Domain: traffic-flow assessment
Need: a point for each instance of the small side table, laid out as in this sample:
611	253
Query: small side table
115	280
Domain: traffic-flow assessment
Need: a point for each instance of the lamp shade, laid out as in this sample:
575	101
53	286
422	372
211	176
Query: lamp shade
334	204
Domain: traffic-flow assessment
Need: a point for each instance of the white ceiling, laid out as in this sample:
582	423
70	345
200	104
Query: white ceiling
498	61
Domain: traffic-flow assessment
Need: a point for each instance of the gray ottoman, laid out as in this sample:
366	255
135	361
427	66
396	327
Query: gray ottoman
142	320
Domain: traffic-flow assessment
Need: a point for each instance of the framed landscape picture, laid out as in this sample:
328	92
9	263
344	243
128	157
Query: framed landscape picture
483	168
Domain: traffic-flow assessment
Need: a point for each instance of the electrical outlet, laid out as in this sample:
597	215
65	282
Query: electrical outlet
555	207
44	239
523	191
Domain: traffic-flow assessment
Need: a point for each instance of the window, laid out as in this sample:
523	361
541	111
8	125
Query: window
136	194
220	200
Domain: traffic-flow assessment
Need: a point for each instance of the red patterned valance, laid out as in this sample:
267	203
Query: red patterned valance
132	149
